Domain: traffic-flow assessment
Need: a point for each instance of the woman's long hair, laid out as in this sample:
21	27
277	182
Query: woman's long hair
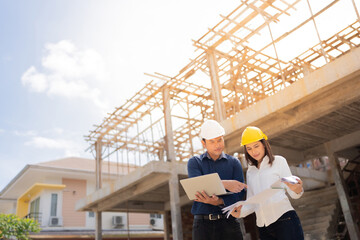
251	161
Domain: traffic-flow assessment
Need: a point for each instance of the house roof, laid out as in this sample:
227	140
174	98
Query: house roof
71	167
86	164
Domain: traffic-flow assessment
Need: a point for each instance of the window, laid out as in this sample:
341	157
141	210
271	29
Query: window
155	215
35	209
54	198
91	214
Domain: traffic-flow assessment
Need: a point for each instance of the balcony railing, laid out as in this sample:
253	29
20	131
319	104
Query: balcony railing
35	215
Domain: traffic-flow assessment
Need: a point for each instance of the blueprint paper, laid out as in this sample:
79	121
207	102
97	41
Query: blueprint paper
254	201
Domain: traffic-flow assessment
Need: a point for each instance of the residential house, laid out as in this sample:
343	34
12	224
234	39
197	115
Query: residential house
48	192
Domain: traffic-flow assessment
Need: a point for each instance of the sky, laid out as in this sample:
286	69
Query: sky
65	64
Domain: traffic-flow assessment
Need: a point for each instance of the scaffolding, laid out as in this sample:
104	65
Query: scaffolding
243	57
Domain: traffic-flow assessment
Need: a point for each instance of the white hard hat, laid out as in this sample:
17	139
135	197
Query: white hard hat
211	129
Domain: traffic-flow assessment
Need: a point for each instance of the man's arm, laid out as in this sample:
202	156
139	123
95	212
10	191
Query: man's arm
238	176
193	167
233	185
194	170
204	198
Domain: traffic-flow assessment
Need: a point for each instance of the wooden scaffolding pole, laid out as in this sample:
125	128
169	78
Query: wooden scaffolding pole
219	107
98	215
173	181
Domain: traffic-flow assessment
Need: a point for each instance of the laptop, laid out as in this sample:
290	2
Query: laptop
210	183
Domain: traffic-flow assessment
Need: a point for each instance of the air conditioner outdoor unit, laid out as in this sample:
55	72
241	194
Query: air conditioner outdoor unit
117	221
157	223
55	221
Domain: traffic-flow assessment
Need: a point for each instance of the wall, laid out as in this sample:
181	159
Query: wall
45	201
74	191
139	220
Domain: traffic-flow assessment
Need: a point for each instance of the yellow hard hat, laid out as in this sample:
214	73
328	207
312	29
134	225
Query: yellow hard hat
252	134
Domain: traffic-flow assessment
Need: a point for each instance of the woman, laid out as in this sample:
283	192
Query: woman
275	217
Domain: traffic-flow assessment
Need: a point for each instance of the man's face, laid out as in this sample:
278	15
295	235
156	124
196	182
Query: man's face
214	146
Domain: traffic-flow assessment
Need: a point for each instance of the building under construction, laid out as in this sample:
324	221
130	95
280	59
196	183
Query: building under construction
268	63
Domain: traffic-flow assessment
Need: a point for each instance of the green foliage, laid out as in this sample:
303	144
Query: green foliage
12	226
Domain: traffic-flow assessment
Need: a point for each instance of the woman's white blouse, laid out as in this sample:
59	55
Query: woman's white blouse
261	179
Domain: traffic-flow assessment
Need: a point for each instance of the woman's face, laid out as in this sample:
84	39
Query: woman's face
256	150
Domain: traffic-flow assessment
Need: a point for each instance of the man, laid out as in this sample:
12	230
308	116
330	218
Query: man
209	222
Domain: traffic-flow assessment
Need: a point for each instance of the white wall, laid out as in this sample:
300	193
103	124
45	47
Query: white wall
46	202
7	207
107	217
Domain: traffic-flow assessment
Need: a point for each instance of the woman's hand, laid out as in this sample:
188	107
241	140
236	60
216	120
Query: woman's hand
236	212
234	185
297	187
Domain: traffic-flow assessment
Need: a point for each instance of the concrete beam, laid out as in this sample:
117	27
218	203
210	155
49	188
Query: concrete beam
291	155
147	184
321	92
336	145
125	182
137	206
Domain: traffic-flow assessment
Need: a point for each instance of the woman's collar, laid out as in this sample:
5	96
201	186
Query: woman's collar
264	161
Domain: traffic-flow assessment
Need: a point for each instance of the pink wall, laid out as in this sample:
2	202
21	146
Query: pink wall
74	191
139	218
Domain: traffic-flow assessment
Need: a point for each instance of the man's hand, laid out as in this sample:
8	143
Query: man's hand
236	212
204	198
234	185
297	187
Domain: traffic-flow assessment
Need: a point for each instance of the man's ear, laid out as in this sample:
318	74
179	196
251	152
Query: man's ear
203	143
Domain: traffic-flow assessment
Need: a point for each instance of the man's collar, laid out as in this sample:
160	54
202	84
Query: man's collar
206	155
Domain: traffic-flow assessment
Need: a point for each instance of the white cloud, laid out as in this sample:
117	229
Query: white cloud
68	72
25	133
65	59
58	130
70	147
2	130
42	142
36	81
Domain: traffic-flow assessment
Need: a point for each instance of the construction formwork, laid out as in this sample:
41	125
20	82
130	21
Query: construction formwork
241	57
257	50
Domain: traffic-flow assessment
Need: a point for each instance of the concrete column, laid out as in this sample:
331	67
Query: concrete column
174	181
98	223
98	219
166	226
219	107
176	223
345	202
169	135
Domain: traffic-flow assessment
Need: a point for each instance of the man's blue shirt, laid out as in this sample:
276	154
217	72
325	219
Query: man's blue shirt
228	168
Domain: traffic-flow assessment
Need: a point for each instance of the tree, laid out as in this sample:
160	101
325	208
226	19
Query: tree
12	226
